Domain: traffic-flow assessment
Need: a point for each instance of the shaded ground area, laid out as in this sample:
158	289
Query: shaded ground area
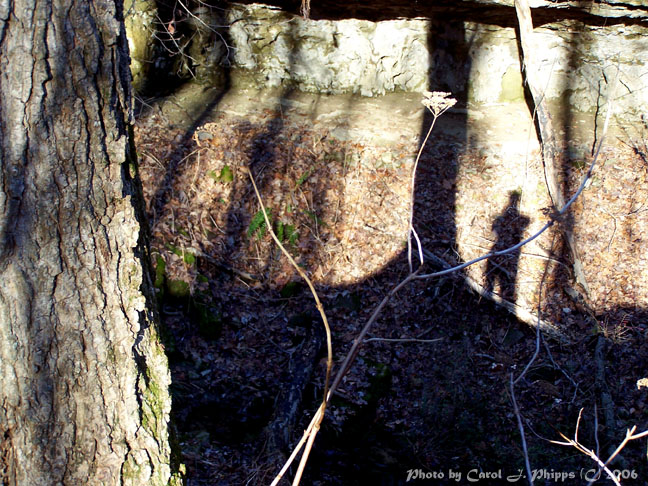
238	318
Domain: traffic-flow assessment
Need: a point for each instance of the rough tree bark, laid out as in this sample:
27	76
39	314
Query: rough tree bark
83	377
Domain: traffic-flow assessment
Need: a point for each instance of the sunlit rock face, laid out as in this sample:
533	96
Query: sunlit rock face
355	73
329	56
469	48
372	48
140	18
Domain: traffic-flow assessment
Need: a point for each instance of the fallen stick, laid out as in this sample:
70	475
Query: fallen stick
550	149
520	312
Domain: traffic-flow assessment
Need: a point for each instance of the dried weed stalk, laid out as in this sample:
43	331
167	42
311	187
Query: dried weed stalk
329	361
438	103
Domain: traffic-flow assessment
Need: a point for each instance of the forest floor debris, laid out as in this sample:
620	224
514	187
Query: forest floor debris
235	310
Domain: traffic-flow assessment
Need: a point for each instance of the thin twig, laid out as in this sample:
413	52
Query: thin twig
558	367
320	308
346	365
414	275
357	342
538	335
521	313
410	229
630	435
403	340
512	383
516	410
555	217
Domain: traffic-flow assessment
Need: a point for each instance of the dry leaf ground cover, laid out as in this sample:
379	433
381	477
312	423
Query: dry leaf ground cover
237	315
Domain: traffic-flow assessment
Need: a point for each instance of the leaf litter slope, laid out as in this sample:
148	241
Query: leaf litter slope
342	209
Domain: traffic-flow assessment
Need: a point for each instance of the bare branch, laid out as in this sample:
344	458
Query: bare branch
630	435
555	217
414	275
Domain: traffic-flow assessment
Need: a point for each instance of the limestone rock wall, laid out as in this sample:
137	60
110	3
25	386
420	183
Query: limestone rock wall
578	64
468	48
140	18
328	56
478	60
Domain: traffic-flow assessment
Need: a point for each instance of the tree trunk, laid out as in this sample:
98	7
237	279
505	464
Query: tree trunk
83	377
